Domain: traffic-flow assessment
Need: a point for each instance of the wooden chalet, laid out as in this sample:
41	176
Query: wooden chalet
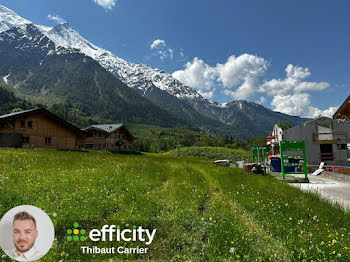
109	137
344	110
39	128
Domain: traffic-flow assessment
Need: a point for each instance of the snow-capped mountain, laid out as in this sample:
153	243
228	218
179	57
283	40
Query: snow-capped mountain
68	80
138	76
155	84
10	19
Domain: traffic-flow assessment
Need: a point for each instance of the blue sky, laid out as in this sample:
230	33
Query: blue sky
292	57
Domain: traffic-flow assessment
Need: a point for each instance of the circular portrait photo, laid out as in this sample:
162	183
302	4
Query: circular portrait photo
26	233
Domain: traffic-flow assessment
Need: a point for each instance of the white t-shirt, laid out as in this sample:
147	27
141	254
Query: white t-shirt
31	255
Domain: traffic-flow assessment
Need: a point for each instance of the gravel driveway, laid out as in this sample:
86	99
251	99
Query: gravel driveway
334	190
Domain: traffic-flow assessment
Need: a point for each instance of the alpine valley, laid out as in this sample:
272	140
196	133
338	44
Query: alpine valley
59	69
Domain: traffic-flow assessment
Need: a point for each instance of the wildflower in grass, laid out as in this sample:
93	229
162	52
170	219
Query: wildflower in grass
334	252
290	218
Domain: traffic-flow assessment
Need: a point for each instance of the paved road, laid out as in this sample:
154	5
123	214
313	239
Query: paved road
334	190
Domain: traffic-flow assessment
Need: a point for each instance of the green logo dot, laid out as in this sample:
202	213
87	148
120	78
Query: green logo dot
75	238
118	226
82	231
82	238
69	231
134	226
69	238
76	224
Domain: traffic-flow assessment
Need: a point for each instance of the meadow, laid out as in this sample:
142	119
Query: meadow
201	212
211	153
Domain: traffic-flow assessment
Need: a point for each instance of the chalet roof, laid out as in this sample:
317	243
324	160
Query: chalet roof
108	128
44	111
344	110
18	113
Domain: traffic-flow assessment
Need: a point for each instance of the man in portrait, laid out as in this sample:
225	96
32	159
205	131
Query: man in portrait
24	234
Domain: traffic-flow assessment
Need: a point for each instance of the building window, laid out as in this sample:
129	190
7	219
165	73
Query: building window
30	124
48	140
342	146
89	145
99	134
26	140
23	123
89	135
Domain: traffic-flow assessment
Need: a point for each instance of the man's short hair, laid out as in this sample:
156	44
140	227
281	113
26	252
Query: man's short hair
24	215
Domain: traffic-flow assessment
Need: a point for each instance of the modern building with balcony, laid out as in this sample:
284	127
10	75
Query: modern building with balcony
326	140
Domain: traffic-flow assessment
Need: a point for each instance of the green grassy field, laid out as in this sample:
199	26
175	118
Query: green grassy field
201	212
211	153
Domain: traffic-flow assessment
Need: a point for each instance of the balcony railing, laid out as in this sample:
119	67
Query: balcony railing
327	156
327	138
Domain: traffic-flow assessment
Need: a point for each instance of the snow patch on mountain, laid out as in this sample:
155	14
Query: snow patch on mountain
5	78
9	19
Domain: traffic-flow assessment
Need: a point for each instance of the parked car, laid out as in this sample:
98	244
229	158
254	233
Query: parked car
224	162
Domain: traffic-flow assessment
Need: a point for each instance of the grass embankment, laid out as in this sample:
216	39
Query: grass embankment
211	153
201	212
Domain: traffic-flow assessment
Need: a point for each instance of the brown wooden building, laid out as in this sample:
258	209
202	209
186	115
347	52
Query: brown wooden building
108	136
39	128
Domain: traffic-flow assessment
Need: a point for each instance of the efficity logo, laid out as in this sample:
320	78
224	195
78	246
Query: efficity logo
75	233
111	233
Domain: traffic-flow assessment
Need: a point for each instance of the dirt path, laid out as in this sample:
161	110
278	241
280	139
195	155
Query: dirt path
331	189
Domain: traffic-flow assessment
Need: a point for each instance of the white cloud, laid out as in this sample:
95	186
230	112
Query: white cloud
239	69
56	18
293	83
299	105
208	94
243	70
171	53
328	112
262	100
197	74
157	43
106	4
291	94
240	77
162	50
